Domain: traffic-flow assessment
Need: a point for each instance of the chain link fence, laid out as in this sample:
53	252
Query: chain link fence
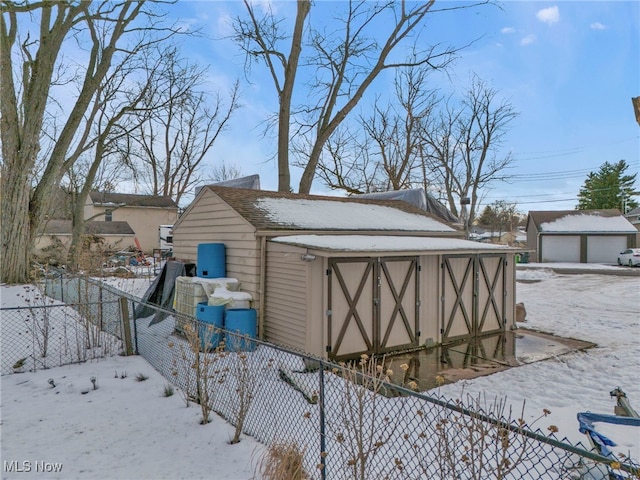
48	334
342	421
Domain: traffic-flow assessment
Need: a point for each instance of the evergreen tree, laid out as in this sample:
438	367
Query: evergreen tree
500	216
609	187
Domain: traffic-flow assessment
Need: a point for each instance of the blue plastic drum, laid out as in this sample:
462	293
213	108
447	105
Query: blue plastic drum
244	323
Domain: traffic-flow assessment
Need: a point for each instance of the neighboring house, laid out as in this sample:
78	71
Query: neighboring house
578	236
143	213
634	217
116	235
338	277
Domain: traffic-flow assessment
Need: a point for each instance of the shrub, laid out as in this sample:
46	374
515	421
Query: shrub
282	461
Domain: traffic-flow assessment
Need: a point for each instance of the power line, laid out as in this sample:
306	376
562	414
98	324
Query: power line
541	155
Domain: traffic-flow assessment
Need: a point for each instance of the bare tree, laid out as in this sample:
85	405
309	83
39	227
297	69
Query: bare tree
259	37
461	146
391	153
32	35
104	143
342	64
178	128
350	164
223	171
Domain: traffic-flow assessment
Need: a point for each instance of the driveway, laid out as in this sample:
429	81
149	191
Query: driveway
581	268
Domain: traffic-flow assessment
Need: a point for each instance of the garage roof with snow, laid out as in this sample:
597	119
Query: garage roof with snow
581	221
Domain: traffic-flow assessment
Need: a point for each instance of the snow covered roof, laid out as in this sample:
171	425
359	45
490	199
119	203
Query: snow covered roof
287	211
388	243
577	221
329	214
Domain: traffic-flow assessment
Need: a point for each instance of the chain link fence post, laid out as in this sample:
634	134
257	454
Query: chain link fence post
323	465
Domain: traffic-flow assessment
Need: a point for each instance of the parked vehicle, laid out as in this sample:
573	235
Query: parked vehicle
631	257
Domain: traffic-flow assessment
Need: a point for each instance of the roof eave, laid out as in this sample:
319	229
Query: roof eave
391	233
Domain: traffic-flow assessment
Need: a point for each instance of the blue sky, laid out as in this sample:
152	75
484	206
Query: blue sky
569	69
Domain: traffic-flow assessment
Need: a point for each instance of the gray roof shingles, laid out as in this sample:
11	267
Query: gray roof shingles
63	227
132	200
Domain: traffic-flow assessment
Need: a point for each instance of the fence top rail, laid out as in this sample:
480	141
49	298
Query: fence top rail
54	305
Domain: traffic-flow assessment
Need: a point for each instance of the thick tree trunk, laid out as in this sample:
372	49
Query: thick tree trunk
16	229
284	114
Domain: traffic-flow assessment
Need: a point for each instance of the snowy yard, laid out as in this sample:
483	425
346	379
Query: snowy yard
128	429
603	309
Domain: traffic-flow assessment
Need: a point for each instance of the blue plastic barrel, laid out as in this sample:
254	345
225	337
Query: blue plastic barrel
210	318
242	321
211	260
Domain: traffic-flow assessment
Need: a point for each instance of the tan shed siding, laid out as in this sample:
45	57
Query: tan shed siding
286	299
317	302
213	221
430	299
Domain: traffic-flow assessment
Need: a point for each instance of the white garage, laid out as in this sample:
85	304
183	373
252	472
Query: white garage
605	248
560	248
578	236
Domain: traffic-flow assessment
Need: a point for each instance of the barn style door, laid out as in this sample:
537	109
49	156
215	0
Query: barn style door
473	296
372	305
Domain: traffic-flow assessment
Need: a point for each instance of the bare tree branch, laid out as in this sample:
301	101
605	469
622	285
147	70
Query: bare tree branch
461	145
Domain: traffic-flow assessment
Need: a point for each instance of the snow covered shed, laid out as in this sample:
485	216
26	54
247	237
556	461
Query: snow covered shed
578	236
338	277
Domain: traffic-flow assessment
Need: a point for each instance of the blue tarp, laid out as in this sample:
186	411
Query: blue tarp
587	420
588	425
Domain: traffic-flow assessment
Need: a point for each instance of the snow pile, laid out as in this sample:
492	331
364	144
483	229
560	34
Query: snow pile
209	285
230	299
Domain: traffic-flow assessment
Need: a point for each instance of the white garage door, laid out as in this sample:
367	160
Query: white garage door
604	249
561	248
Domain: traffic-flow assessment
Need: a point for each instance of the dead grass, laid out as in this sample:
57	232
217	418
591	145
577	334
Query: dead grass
282	461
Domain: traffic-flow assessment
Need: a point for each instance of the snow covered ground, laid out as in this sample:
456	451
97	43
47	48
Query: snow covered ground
129	429
603	309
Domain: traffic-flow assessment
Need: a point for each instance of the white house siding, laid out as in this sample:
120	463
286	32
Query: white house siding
286	298
559	248
212	221
605	249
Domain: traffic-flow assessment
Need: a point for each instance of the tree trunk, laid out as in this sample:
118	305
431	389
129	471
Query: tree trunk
77	227
284	114
15	226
